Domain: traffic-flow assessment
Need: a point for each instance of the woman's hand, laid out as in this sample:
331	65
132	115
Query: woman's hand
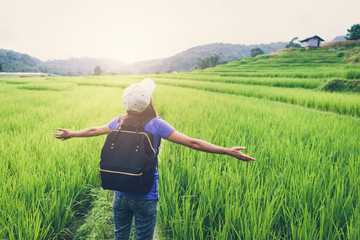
88	132
236	153
66	134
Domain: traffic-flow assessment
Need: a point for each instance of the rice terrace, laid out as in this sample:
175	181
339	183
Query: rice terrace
297	112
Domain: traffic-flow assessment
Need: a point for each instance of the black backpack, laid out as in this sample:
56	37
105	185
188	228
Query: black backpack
128	159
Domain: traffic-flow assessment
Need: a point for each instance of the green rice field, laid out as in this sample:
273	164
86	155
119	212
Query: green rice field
304	184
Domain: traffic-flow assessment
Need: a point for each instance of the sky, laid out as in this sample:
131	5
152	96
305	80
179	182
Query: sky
136	30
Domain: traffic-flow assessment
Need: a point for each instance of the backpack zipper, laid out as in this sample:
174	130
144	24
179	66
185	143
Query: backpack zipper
130	174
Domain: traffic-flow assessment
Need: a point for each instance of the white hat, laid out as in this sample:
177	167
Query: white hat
137	97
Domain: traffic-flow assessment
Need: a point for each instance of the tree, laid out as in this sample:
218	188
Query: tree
256	51
293	44
1	68
353	32
214	60
206	62
97	70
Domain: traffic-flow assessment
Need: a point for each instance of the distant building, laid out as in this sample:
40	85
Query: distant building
312	42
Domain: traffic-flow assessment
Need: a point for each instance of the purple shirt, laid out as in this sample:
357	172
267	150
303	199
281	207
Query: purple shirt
159	128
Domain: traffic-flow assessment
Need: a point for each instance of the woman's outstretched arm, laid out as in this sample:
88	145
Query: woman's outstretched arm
204	146
88	132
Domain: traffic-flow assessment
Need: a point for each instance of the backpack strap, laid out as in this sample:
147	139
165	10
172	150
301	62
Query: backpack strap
138	127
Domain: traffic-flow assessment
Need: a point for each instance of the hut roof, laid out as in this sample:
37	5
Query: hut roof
316	36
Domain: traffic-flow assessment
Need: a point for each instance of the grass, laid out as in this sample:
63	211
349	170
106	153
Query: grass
339	85
339	103
309	83
298	178
98	223
46	181
304	184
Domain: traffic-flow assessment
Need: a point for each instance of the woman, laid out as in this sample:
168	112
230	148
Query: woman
137	100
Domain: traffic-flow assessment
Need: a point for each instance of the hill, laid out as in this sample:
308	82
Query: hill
80	66
184	61
12	61
339	38
18	62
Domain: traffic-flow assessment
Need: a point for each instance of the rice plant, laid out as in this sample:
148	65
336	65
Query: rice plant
304	184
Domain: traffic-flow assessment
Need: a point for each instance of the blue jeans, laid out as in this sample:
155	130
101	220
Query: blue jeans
145	212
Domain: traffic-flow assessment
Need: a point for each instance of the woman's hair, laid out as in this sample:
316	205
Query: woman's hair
142	118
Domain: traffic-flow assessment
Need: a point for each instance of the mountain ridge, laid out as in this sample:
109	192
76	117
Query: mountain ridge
183	61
